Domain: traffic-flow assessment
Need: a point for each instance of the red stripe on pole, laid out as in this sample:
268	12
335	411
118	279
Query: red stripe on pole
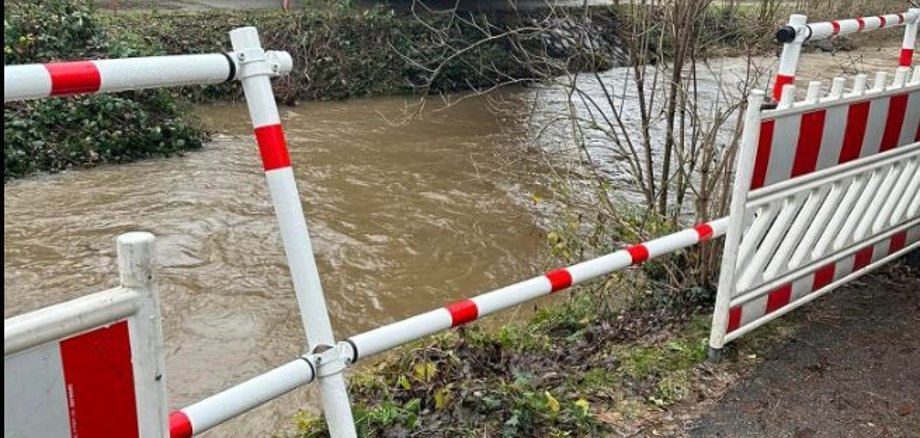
862	24
560	279
272	147
779	298
179	425
917	135
863	258
763	154
897	108
704	231
900	18
73	77
99	379
907	57
857	118
823	277
734	319
836	27
897	243
882	21
809	144
781	81
462	312
639	253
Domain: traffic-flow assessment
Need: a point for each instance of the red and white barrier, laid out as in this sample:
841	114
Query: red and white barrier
464	311
92	366
826	189
798	31
743	316
254	73
34	81
859	125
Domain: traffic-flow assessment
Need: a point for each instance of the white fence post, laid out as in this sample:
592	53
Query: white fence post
255	69
137	271
792	38
910	37
744	173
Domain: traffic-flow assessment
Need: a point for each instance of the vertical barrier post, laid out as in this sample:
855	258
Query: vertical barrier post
744	173
137	271
792	36
255	69
910	37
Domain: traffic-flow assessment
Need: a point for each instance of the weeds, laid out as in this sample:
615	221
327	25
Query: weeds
567	372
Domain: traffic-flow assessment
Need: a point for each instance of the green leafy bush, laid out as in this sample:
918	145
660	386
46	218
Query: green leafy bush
60	133
57	134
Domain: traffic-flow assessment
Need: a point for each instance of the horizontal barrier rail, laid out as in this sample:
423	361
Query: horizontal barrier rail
241	398
34	81
65	319
798	31
225	405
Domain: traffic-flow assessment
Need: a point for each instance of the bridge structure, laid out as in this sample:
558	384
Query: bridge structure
826	189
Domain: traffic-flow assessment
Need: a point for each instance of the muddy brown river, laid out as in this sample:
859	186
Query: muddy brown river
404	217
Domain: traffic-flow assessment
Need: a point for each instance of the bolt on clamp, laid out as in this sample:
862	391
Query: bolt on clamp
328	362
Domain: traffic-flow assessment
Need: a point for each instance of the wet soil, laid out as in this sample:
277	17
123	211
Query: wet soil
850	370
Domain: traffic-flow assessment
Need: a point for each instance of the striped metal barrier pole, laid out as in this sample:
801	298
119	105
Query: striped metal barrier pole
463	311
254	72
247	395
205	414
910	38
798	31
35	81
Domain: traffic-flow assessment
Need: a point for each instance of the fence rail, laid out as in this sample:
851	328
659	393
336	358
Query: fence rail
799	31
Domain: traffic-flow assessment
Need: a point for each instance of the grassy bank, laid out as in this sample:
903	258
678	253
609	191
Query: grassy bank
573	370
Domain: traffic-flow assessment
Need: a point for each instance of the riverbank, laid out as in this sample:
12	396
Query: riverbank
574	371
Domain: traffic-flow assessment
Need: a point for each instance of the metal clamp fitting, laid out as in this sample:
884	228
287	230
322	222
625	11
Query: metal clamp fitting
253	62
329	362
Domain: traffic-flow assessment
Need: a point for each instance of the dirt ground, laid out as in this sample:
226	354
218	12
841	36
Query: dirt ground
852	369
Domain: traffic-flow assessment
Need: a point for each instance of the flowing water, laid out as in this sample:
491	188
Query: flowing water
404	217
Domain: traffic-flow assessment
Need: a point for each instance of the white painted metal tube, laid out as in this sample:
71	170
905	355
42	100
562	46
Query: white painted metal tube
792	49
461	312
137	272
69	318
827	29
241	398
33	81
255	68
744	172
910	38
